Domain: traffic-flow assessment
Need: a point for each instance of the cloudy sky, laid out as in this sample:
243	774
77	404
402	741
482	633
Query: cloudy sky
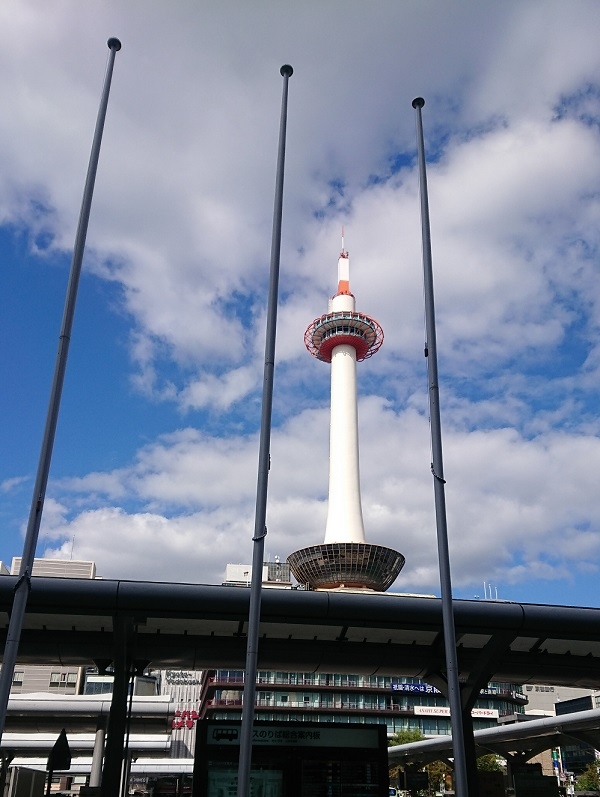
154	467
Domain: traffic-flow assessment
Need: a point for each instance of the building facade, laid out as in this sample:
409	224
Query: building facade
183	687
38	678
399	703
574	758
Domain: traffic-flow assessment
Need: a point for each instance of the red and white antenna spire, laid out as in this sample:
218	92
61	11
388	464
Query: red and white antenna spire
343	271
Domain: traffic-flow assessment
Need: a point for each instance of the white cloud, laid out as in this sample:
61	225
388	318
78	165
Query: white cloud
219	392
151	546
517	507
7	485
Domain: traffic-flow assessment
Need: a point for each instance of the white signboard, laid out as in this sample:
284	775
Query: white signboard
444	711
278	735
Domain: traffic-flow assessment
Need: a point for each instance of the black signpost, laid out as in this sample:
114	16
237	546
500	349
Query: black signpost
59	758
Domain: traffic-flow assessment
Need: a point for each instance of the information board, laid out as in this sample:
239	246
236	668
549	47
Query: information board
293	759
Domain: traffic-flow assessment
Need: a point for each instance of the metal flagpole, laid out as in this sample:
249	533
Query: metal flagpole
264	457
23	585
437	470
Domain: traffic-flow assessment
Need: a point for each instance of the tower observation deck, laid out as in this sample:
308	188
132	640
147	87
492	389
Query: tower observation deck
344	337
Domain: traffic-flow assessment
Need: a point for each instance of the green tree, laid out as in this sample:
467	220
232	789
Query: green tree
489	763
589	780
436	770
402	737
406	736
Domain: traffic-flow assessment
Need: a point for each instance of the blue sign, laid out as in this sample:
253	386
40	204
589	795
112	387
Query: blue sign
416	688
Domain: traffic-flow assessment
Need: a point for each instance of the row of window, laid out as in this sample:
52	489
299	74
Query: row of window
94	684
344	330
57	679
354	701
350	699
430	726
63	679
98	687
360	681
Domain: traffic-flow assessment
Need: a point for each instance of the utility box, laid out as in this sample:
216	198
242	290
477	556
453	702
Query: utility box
293	759
24	782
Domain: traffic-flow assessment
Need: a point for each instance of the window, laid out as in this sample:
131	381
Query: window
98	684
63	679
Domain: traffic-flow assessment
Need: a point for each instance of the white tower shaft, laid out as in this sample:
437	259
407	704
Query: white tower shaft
344	517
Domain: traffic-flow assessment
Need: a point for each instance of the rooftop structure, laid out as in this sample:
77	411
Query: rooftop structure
343	337
57	568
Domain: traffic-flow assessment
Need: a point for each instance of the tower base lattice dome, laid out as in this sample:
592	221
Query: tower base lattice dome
359	565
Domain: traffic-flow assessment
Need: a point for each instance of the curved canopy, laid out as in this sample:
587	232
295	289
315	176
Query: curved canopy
528	738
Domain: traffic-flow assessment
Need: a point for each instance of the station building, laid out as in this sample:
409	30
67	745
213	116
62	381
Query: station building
399	702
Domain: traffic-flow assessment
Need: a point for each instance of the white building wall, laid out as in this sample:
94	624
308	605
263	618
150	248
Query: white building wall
543	697
184	687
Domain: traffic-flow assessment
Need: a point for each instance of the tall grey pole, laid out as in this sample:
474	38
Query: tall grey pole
21	592
437	469
264	458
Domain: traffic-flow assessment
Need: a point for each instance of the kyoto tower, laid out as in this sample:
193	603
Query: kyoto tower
344	337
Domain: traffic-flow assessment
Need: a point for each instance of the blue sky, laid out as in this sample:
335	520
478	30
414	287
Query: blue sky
154	468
